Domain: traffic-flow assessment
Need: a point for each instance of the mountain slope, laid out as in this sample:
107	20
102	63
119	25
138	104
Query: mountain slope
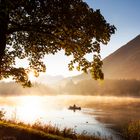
122	64
125	62
49	80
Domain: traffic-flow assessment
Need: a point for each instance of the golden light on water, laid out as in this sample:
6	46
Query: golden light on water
54	110
33	108
30	109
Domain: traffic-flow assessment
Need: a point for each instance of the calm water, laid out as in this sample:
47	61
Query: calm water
53	110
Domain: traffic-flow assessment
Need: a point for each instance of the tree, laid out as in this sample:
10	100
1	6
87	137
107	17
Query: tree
30	29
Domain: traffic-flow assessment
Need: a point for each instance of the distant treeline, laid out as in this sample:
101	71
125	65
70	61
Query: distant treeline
84	87
106	87
14	89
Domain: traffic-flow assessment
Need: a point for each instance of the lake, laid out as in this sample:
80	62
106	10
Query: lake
99	115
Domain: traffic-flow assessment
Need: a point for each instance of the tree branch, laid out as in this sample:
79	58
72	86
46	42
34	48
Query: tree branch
34	28
31	27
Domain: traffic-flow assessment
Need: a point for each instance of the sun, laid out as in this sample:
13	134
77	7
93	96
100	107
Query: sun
32	74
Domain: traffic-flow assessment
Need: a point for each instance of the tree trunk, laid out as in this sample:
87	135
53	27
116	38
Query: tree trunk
3	30
2	42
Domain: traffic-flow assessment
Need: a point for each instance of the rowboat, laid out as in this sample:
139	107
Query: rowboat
74	107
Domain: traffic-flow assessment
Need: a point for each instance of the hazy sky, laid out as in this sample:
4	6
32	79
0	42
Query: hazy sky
124	14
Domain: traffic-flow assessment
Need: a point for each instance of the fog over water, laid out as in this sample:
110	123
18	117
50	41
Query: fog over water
98	115
104	115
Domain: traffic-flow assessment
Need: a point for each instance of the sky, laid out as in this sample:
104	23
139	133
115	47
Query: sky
124	14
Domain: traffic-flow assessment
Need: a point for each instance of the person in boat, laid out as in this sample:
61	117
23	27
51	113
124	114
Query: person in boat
74	107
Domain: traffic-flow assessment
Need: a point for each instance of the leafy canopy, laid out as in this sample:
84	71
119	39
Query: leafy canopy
32	29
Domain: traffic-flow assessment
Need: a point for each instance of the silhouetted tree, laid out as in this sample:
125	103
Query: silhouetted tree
33	28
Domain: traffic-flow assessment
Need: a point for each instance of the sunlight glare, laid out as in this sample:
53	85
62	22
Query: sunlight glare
30	109
32	74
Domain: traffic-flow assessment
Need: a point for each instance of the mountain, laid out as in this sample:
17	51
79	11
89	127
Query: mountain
125	62
49	80
122	64
122	75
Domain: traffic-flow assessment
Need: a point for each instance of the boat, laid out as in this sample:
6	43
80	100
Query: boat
74	107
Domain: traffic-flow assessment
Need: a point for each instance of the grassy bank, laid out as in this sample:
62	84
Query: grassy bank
10	130
132	131
13	130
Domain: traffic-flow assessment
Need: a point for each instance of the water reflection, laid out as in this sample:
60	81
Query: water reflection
54	110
